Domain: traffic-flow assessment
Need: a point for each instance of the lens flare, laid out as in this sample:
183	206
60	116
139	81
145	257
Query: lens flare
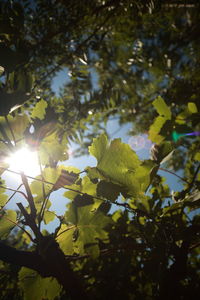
24	160
139	142
176	135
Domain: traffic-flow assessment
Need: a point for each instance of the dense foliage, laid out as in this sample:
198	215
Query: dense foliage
124	233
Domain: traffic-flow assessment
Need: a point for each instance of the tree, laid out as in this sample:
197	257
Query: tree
124	234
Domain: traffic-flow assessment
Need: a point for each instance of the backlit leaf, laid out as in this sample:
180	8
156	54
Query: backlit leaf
155	129
39	110
3	197
49	216
161	108
90	226
35	287
7	222
99	146
192	108
118	163
65	239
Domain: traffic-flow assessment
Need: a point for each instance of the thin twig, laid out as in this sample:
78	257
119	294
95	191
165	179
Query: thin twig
13	190
2	207
170	172
16	224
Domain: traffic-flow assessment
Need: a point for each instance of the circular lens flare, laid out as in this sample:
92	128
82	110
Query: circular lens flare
137	142
24	160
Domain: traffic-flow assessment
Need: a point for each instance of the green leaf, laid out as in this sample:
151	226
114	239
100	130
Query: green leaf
65	178
7	220
50	175
35	287
99	146
192	108
39	110
83	200
65	239
161	108
3	197
49	216
173	207
118	163
17	124
90	226
197	156
108	190
155	128
87	187
52	150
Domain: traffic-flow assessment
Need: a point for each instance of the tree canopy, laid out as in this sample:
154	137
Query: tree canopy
124	232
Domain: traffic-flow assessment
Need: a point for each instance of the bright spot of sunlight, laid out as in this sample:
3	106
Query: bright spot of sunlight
24	160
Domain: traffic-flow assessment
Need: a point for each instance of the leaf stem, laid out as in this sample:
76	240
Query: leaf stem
170	172
16	191
16	224
13	190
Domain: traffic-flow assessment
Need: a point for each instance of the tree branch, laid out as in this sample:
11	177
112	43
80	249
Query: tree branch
50	263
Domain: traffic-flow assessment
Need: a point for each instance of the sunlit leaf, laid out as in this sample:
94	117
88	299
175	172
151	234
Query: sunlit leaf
162	108
3	197
15	126
35	287
192	108
197	156
155	129
39	110
98	147
118	163
65	239
52	150
7	222
90	227
49	216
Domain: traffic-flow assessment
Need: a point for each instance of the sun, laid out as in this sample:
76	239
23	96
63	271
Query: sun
24	160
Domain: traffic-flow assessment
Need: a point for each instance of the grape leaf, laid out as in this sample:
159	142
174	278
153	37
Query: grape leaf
35	287
87	187
3	197
51	150
50	175
155	128
65	239
7	220
39	110
161	108
108	190
99	146
49	216
197	156
118	163
17	124
90	226
192	108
